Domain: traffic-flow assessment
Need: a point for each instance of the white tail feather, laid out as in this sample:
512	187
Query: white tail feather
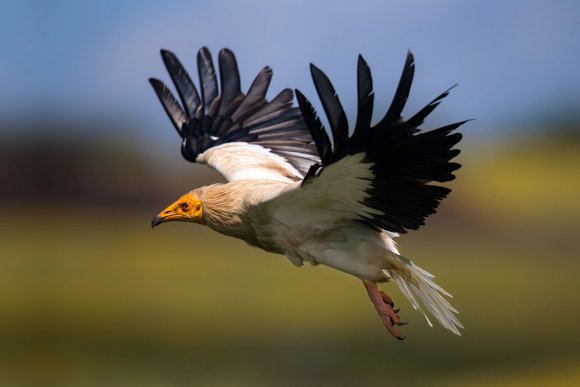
418	283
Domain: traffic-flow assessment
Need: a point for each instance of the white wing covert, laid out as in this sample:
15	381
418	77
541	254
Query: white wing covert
381	174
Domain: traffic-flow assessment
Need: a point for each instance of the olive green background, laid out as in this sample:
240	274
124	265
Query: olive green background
91	296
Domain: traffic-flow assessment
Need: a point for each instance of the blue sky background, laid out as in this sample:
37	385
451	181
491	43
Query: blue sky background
515	61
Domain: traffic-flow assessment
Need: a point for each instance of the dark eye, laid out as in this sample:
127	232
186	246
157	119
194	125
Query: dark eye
198	207
185	206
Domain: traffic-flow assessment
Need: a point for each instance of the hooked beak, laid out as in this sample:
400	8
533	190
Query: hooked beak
157	220
166	215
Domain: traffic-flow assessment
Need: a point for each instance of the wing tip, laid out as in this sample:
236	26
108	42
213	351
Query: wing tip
267	70
204	50
165	52
409	61
298	93
226	51
169	59
155	81
466	121
203	56
361	62
315	71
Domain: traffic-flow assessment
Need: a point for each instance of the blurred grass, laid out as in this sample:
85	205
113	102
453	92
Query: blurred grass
95	298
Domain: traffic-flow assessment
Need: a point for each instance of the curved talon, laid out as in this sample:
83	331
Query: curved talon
386	298
402	323
396	310
384	306
401	338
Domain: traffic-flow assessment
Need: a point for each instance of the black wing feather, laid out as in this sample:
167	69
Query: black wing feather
170	104
332	107
225	115
405	161
276	108
229	78
207	77
365	95
316	128
401	94
183	83
256	96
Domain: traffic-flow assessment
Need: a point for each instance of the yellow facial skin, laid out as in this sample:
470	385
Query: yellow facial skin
187	208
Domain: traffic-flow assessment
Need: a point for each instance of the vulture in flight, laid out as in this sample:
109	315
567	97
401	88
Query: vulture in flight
336	198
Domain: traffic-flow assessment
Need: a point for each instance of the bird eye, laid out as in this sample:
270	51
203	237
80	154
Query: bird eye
185	206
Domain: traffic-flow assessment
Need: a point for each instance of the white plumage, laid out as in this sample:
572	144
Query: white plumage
289	191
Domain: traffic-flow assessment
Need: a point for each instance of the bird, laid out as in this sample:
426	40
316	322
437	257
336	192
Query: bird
335	197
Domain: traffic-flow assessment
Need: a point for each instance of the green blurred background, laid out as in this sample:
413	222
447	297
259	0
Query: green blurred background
91	296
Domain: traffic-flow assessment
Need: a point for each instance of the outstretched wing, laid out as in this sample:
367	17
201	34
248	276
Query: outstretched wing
384	174
242	136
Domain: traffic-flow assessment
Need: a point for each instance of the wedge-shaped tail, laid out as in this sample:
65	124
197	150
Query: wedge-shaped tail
425	295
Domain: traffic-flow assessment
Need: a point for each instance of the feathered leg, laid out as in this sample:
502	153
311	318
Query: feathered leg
384	306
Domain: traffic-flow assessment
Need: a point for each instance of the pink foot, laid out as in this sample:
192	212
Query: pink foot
384	306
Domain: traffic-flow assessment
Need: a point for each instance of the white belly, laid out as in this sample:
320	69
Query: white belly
351	247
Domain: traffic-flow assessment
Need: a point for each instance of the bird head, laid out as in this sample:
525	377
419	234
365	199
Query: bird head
187	208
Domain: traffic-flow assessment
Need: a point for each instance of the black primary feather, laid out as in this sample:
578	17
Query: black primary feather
218	116
183	83
316	128
229	78
207	78
170	104
405	160
332	107
393	114
365	95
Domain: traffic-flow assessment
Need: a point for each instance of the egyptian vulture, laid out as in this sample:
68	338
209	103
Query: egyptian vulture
292	189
